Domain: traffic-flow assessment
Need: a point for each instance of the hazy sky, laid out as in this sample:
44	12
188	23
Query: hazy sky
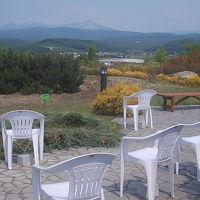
133	15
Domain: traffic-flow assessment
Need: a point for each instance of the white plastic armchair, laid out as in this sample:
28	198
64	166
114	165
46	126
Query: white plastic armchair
163	150
144	98
21	127
85	178
193	142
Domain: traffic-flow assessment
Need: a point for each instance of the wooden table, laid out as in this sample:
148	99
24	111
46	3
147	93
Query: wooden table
172	98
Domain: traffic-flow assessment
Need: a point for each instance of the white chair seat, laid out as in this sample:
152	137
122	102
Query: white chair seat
195	140
34	131
57	191
146	154
132	107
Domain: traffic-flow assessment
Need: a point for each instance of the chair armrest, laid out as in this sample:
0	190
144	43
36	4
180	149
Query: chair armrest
131	96
125	98
3	126
39	168
126	140
141	139
193	124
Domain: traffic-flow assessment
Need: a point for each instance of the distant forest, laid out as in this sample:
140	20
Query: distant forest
176	47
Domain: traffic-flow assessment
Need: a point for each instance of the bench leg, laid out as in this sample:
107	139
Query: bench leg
164	103
173	104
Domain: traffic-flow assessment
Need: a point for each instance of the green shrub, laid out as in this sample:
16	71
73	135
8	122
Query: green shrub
38	73
67	130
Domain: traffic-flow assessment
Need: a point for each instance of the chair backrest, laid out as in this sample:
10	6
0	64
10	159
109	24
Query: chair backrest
167	141
85	174
21	122
85	181
144	97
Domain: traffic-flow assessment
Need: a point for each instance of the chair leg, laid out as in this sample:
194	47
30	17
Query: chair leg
178	146
121	178
4	147
135	116
102	194
177	167
9	144
197	148
36	182
35	148
146	114
171	175
124	118
41	145
151	120
151	169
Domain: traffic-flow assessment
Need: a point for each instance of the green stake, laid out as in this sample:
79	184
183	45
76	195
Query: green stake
44	97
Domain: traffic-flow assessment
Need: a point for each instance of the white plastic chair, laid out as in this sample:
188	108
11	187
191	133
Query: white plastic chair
85	178
193	142
144	98
21	127
163	150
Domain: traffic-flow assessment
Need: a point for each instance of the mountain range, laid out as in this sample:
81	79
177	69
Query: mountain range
86	25
79	36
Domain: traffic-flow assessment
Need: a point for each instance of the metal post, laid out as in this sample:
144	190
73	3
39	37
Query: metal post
103	74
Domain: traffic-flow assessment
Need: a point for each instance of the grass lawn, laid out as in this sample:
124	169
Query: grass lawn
80	102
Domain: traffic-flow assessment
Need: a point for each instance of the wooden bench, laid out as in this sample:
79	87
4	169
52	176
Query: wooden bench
172	96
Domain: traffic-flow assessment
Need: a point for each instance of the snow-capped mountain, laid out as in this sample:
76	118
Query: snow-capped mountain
87	25
25	25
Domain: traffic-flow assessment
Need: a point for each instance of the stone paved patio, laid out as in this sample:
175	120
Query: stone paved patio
15	184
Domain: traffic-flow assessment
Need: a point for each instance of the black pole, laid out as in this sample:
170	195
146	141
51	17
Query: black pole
103	74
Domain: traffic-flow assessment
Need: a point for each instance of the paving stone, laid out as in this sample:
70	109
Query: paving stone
12	196
24	159
192	191
16	183
193	187
142	190
6	180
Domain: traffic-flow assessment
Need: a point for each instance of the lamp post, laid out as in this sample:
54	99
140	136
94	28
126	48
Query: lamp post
103	74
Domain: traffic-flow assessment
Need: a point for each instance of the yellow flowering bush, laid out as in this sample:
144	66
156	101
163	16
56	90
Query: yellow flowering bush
172	79
136	74
114	72
110	100
162	77
193	80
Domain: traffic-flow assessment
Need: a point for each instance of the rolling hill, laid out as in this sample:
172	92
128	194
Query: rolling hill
46	39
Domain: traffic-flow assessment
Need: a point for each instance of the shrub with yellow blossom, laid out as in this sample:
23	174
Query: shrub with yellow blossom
136	74
114	72
192	80
172	79
110	100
